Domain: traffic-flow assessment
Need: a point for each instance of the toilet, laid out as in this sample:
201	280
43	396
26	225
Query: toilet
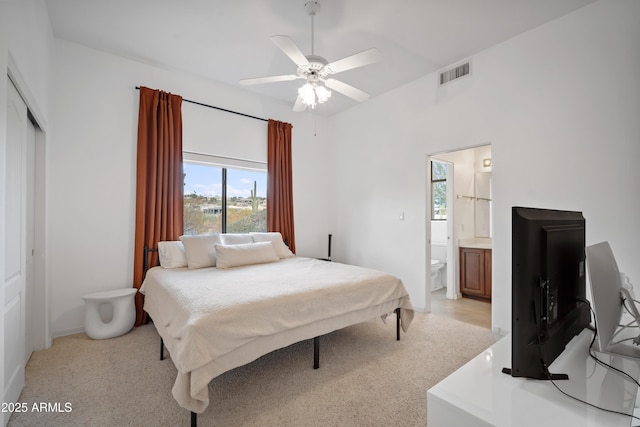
123	308
438	266
436	274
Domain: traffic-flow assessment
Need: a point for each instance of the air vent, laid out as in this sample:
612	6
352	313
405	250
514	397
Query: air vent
455	73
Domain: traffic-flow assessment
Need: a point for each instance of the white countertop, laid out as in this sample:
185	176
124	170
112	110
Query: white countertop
476	245
479	394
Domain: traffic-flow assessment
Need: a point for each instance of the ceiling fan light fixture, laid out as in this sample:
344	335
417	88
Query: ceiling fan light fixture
313	94
315	69
323	94
307	95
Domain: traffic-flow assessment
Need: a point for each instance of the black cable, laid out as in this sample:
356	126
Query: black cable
591	351
549	376
584	401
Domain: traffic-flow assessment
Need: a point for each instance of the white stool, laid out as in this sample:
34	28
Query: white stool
124	313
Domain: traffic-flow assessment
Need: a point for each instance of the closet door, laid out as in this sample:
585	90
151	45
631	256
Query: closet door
29	248
14	278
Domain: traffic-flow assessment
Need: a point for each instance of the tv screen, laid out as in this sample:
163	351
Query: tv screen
548	287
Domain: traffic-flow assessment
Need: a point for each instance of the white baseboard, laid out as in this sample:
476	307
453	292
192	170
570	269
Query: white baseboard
64	333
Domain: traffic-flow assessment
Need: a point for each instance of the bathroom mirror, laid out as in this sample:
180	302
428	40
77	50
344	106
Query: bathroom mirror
483	204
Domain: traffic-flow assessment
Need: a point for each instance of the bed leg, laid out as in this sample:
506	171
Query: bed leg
194	419
316	352
161	349
397	324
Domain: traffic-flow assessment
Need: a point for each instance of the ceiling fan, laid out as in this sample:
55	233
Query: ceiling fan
316	70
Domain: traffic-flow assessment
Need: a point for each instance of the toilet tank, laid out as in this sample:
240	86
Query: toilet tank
439	252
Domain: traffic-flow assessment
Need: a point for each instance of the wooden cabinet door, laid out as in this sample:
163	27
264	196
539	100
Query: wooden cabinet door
472	271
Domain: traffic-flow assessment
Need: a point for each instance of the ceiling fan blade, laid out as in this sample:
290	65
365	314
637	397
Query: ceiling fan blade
365	57
290	49
299	105
347	90
272	79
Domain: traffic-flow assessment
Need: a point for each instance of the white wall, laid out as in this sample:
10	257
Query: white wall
25	44
560	106
438	233
25	25
556	103
92	170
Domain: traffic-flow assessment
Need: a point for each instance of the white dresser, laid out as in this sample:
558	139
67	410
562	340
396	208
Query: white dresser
479	394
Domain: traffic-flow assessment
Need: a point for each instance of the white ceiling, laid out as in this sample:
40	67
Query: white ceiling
227	40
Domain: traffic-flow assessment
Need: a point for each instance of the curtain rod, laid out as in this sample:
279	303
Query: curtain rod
219	108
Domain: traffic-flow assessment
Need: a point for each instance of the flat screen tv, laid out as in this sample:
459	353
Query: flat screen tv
548	288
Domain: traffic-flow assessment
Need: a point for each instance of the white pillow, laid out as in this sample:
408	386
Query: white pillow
245	254
171	254
235	238
200	250
282	250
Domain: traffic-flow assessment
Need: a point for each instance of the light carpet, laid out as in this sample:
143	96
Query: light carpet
366	378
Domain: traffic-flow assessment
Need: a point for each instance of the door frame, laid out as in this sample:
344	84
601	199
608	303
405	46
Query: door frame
15	229
452	291
453	282
41	334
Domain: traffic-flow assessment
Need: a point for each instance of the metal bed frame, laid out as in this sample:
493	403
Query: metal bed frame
316	340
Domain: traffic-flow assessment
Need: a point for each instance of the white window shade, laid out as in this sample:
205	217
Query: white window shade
223	162
227	136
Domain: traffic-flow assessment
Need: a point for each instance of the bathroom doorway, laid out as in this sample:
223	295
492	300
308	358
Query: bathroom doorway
460	219
441	185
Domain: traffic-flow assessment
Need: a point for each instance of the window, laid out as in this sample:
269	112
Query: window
223	199
438	190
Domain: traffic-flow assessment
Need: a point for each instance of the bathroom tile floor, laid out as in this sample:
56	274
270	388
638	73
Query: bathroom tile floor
466	310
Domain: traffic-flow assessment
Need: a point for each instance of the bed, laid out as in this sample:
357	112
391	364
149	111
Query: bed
256	299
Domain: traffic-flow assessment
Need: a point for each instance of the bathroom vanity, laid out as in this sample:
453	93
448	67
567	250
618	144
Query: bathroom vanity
475	271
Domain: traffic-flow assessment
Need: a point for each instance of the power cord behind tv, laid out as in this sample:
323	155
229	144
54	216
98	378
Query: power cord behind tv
550	376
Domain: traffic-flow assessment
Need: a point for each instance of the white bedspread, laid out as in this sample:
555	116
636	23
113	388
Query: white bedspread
213	320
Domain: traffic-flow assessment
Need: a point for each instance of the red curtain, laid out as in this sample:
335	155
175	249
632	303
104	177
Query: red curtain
160	180
279	182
